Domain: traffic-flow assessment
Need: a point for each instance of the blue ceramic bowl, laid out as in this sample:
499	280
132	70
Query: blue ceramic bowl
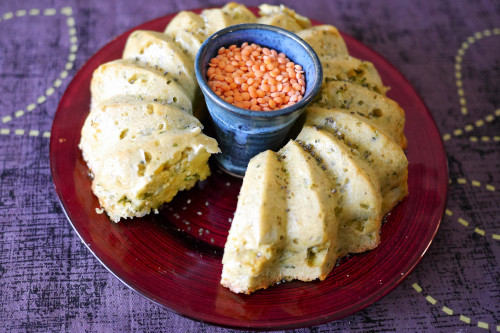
242	133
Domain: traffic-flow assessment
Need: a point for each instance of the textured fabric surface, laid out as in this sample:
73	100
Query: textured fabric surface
448	50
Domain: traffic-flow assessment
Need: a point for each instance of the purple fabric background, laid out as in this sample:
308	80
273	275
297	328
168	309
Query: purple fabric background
50	282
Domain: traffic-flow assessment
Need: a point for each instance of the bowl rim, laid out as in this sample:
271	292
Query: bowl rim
202	81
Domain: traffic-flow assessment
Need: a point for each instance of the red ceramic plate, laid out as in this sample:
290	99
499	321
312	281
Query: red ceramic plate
174	258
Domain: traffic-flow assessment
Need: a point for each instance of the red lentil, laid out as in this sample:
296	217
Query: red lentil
256	78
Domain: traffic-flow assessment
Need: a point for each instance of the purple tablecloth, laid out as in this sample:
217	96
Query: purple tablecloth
448	50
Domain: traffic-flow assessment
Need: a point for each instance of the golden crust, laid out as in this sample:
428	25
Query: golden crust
384	155
141	154
160	52
374	108
347	68
126	77
359	198
325	40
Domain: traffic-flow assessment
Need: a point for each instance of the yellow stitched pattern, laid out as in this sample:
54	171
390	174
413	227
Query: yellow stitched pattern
70	22
469	127
450	312
461	93
465	223
20	132
458	63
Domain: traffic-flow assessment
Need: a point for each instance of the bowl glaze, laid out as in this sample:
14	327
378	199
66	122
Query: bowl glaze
243	133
